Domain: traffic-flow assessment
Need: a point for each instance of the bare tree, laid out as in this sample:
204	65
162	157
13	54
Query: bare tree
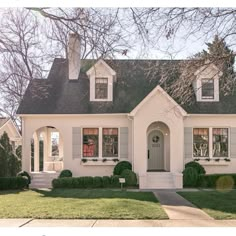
31	38
21	57
98	30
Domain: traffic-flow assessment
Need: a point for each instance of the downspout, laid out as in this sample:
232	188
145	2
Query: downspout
131	118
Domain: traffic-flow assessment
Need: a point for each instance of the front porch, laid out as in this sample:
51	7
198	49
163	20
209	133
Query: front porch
46	150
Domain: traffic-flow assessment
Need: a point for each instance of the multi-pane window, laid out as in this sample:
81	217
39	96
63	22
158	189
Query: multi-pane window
90	142
220	142
200	142
110	142
101	88
207	88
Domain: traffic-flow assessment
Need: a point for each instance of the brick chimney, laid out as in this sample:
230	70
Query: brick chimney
74	56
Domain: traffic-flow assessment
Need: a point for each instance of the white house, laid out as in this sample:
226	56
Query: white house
8	126
89	114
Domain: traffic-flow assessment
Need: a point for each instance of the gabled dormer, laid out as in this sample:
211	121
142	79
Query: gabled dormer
206	83
102	78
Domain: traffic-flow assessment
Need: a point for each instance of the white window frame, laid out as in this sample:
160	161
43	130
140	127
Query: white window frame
82	142
210	140
118	130
107	83
100	141
198	90
208	97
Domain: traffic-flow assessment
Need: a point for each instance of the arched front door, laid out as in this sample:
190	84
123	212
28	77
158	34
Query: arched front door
155	151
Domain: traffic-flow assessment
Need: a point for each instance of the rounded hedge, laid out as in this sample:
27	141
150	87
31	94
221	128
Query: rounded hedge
190	177
199	168
130	177
26	175
65	173
121	166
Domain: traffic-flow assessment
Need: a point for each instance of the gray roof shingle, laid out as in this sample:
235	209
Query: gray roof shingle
59	95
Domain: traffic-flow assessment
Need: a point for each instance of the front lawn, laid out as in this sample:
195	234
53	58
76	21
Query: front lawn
219	205
80	204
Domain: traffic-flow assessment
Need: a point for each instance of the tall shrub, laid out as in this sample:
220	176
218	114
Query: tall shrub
10	164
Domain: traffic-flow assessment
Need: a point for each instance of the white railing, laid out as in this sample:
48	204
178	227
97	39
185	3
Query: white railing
55	164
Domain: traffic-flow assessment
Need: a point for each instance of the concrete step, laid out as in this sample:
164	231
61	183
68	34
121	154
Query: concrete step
157	180
42	179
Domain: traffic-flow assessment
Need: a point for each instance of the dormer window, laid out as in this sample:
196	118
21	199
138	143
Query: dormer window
206	83
101	88
207	89
101	79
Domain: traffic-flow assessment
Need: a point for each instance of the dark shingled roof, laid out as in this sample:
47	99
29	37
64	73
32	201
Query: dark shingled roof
59	95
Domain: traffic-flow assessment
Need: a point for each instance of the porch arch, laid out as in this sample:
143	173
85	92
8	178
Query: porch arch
47	150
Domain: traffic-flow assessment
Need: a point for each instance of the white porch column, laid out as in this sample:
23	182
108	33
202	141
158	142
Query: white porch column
36	151
26	148
49	144
45	147
61	154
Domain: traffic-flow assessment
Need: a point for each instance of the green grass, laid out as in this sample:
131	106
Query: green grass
219	205
80	204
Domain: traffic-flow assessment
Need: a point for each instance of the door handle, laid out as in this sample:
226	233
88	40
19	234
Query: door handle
148	154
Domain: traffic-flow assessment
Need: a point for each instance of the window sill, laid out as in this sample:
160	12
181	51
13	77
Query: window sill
99	163
213	163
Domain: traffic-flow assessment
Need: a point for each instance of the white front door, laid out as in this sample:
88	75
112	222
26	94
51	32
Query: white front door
155	150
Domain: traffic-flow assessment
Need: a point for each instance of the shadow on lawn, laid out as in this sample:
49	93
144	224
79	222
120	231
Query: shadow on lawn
7	192
97	193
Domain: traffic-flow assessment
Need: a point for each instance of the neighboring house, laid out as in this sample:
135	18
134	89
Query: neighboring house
8	126
108	109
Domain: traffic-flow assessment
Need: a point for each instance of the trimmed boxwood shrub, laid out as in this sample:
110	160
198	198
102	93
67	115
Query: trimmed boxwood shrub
65	173
199	168
190	177
106	181
130	177
7	183
115	181
88	182
210	181
26	175
119	167
97	182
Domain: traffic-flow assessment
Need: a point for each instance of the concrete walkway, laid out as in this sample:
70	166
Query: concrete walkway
178	208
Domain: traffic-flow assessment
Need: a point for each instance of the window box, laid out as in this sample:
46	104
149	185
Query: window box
213	161
98	162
